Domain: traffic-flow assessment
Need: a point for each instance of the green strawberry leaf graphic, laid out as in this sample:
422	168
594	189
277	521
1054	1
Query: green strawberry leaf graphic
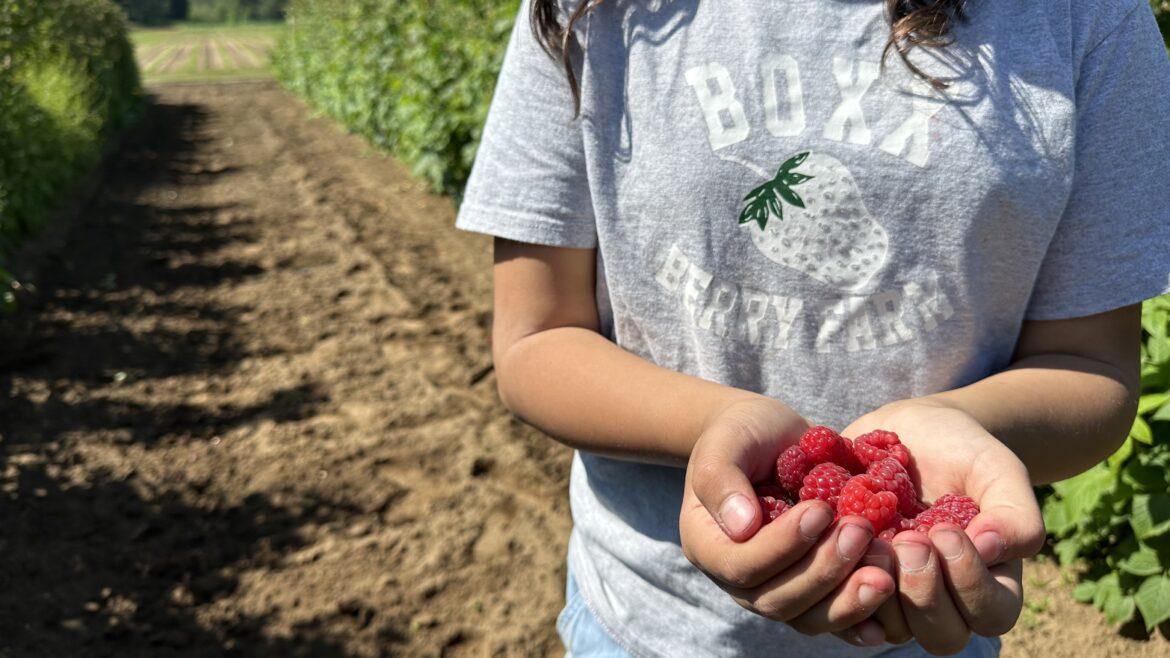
764	201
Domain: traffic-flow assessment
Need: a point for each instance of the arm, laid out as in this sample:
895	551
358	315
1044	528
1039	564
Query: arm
555	371
1069	397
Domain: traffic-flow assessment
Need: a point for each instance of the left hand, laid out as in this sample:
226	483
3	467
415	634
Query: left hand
954	583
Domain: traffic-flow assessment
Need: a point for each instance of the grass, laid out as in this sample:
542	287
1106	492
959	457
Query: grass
180	53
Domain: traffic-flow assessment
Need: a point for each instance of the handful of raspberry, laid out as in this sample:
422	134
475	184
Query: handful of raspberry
866	477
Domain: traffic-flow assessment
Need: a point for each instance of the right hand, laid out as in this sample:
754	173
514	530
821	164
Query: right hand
800	569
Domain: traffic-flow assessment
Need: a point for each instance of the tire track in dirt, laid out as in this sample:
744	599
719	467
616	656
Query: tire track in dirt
264	380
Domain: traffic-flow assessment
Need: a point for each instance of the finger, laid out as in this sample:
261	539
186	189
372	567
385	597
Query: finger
721	484
745	565
846	607
866	633
926	603
889	614
800	587
1009	525
989	605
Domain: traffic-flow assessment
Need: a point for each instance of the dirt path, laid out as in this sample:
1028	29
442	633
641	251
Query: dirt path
249	411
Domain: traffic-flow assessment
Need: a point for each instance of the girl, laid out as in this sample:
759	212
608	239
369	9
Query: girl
720	222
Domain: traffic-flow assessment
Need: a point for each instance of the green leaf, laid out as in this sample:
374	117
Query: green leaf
1108	587
1119	609
791	178
792	163
1144	476
790	196
1150	516
1141	431
1153	600
1067	551
1162	414
1082	492
1057	519
1143	562
1085	591
1152	401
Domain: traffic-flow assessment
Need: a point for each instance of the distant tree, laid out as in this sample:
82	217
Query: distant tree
234	11
146	12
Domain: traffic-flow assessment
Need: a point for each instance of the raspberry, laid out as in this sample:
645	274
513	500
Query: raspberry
824	482
821	444
863	496
957	510
791	467
772	507
899	524
892	476
771	489
879	444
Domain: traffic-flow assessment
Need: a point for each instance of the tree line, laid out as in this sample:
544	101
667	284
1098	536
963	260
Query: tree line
158	12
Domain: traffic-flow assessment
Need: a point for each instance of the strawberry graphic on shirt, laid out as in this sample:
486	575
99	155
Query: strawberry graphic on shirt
810	217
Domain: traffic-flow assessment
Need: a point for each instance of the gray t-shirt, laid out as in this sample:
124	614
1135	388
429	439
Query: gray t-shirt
776	210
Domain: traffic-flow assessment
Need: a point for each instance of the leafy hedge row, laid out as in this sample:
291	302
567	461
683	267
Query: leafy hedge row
413	76
1116	516
67	80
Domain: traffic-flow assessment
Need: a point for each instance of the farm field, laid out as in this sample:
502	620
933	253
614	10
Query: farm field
247	409
204	53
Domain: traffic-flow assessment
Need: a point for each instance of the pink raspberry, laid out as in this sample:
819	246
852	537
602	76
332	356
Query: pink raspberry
791	467
863	496
892	476
772	507
821	444
899	524
824	482
956	510
879	444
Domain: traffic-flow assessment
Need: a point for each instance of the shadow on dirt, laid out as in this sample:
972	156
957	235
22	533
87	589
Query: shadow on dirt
95	562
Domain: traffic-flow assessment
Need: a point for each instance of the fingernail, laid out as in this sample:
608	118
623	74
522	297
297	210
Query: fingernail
990	546
852	540
736	514
871	634
948	543
868	596
912	556
814	521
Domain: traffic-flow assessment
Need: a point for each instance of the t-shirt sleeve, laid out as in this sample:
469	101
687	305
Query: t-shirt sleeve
1112	246
529	179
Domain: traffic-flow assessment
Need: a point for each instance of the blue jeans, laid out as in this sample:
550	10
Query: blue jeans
584	637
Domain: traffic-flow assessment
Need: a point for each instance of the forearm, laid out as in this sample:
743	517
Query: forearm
1059	413
590	394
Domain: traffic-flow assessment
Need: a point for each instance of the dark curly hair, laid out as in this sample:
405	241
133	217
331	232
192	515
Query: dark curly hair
912	23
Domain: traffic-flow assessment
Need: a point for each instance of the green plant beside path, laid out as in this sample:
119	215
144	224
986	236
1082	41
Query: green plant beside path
1115	518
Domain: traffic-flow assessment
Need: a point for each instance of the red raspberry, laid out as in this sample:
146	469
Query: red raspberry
822	444
892	476
824	482
771	489
772	507
899	524
879	444
791	467
863	496
957	510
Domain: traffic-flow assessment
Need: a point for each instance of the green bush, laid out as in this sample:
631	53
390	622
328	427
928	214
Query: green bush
67	80
414	77
1162	13
1115	518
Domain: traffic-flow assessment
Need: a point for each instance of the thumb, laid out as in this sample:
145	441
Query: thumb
1009	525
717	479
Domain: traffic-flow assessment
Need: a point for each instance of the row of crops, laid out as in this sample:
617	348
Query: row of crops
67	82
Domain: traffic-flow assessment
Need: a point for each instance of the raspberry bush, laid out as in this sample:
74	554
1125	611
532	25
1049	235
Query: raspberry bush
1114	519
